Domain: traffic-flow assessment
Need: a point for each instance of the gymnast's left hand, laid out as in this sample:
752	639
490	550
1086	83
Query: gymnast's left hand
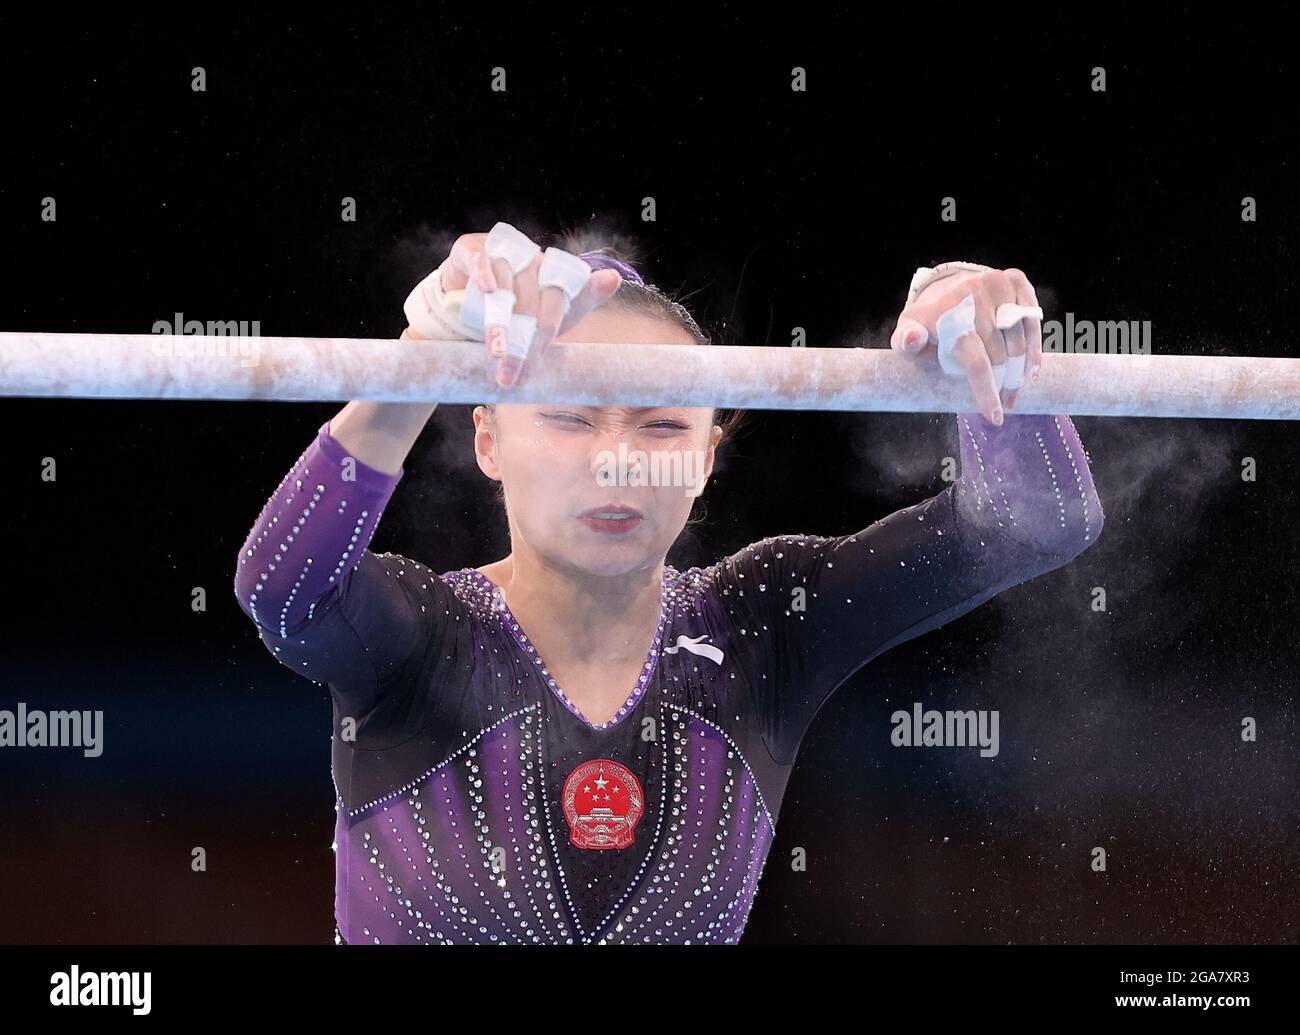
987	352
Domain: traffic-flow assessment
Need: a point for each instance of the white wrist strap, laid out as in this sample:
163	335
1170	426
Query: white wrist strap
496	308
559	269
465	315
927	275
960	320
433	313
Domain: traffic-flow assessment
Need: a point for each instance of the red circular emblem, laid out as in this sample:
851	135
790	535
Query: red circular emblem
603	803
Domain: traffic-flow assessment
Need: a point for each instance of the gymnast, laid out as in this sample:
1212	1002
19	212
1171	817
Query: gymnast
579	743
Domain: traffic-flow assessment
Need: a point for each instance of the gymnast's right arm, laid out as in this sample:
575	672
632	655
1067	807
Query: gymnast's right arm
323	603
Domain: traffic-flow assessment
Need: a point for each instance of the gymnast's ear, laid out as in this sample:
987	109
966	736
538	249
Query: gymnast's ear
715	436
485	442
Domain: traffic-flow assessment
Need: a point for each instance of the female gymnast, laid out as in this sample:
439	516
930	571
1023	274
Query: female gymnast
579	743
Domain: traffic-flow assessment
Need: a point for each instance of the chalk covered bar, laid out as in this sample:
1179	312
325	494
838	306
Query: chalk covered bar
157	366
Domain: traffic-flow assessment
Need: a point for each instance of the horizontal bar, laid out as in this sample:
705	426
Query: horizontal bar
161	366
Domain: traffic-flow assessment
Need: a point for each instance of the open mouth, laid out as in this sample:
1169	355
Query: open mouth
615	520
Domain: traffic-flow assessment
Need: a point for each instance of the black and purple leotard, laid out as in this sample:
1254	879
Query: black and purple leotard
477	805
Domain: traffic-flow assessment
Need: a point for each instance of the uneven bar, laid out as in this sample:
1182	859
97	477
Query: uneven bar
157	366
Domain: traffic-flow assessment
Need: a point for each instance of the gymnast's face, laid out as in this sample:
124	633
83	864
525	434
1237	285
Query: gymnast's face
569	499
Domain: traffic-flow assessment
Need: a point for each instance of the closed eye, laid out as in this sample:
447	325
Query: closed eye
574	420
566	418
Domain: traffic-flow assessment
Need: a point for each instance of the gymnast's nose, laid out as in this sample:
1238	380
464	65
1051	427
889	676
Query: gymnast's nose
607	458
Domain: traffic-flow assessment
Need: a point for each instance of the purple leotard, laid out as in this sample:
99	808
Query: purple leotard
453	745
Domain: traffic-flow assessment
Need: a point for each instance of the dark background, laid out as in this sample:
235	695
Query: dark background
775	209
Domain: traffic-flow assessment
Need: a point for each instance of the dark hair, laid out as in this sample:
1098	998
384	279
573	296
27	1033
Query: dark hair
646	299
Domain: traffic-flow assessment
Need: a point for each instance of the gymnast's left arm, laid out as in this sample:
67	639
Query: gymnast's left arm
818	608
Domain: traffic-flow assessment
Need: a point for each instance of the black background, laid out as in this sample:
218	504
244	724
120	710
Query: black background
775	209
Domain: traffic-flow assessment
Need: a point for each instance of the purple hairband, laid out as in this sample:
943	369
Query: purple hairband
607	262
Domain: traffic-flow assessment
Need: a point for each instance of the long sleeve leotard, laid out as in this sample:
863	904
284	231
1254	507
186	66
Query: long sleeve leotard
477	804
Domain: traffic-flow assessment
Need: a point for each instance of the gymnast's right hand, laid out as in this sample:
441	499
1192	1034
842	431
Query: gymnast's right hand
501	288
